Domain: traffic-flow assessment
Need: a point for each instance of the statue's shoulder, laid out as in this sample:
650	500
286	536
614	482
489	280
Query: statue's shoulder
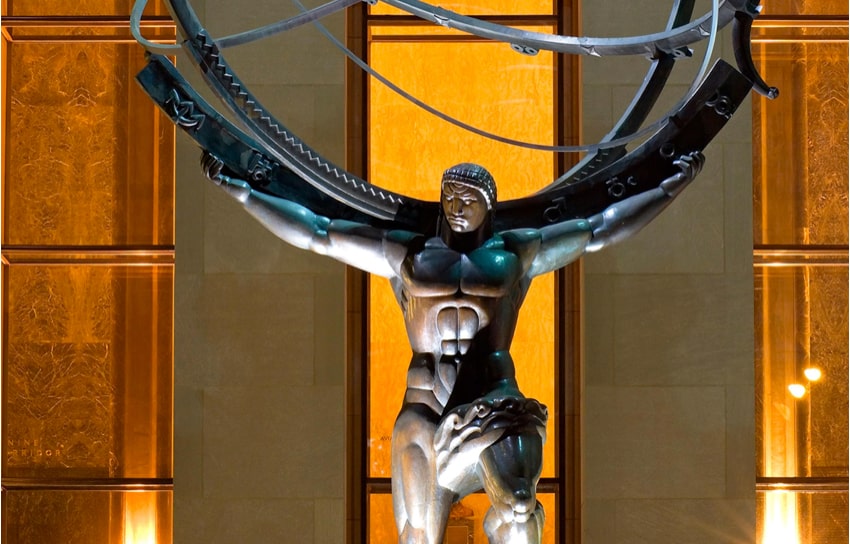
524	243
517	238
404	237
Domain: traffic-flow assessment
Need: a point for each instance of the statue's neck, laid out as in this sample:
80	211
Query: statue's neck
465	242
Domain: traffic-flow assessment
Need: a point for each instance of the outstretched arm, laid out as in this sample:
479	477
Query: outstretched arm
623	219
564	242
358	245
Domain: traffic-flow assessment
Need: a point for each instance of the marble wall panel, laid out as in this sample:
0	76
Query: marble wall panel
684	336
246	329
697	521
259	343
87	372
687	238
654	442
273	442
235	243
258	521
669	335
86	516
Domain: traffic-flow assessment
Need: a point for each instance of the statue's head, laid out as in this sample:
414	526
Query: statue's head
468	197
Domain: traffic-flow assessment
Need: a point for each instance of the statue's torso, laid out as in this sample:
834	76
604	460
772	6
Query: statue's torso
455	302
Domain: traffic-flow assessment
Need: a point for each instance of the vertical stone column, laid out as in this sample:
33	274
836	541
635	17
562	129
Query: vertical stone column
259	422
668	448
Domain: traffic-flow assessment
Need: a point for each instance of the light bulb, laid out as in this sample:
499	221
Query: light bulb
797	390
812	374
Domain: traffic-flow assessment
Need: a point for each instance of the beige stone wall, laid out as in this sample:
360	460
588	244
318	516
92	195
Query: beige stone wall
259	423
668	447
668	411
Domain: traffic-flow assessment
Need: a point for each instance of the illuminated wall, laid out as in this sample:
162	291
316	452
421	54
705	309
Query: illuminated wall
492	87
88	255
800	253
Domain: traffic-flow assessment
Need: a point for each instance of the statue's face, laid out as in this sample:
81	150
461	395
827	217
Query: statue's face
465	207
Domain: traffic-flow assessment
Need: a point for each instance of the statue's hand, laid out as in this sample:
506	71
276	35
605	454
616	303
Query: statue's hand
211	166
689	167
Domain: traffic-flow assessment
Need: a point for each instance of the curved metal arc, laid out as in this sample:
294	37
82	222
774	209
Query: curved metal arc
667	41
637	111
136	31
691	129
227	86
741	32
272	135
240	154
613	143
432	110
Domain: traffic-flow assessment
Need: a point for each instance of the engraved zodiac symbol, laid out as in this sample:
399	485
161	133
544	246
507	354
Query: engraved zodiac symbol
260	168
553	214
183	111
617	188
721	104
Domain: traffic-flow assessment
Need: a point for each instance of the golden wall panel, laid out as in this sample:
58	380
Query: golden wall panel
828	295
805	7
409	151
801	163
87	371
78	8
466	518
87	517
89	159
804	319
814	518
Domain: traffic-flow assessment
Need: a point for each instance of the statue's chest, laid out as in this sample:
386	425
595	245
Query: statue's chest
438	272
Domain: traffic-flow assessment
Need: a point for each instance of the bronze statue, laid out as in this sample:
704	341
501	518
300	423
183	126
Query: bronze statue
464	424
461	268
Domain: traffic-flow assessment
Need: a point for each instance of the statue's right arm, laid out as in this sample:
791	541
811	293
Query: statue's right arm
362	246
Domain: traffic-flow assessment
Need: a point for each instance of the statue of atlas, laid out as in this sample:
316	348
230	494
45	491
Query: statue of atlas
464	425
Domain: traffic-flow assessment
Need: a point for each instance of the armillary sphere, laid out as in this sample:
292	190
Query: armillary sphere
277	162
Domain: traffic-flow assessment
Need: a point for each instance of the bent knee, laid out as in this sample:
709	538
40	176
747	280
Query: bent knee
520	510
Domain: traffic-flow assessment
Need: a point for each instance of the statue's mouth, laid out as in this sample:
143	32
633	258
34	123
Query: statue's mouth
457	222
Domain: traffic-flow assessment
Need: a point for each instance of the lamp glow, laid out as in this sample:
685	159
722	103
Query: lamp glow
797	390
812	374
780	525
140	518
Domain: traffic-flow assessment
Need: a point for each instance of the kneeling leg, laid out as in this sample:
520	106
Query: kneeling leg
509	471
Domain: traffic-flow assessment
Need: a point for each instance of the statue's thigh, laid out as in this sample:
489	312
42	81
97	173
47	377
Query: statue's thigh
510	470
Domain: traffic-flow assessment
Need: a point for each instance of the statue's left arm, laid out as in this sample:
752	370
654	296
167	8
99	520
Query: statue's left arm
625	218
564	242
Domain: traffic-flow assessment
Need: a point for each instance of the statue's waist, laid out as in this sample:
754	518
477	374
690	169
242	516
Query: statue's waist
452	327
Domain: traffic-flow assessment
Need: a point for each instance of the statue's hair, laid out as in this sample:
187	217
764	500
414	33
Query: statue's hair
474	176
